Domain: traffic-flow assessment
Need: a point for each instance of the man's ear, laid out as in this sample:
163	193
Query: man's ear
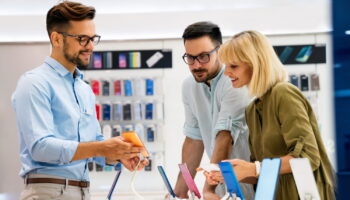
56	39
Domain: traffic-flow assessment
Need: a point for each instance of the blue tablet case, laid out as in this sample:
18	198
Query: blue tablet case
166	181
230	179
268	178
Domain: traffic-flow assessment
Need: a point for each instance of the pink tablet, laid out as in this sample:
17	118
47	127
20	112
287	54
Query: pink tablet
189	180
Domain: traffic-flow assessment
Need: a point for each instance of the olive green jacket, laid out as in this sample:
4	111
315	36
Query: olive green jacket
281	123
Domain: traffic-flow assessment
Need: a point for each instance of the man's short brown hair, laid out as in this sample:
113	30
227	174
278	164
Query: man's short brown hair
58	17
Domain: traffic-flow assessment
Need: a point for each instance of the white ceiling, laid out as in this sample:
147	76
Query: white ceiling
24	20
40	7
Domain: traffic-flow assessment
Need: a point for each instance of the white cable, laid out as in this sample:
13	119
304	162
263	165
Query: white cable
132	184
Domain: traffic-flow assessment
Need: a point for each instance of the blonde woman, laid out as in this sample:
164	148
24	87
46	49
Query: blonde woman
280	119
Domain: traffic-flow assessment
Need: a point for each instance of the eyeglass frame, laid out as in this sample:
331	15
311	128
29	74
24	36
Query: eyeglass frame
201	54
79	37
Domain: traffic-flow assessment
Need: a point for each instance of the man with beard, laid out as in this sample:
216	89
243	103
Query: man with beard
56	117
214	112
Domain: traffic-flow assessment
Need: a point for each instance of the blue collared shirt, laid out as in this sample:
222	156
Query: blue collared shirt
55	112
211	109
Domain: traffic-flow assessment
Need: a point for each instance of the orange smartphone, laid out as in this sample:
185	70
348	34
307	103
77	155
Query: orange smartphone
134	139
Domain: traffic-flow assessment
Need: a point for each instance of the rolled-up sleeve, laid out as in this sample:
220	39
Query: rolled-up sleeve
231	116
296	127
191	127
35	122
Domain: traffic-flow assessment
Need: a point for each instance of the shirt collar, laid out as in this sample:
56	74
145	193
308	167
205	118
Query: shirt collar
60	69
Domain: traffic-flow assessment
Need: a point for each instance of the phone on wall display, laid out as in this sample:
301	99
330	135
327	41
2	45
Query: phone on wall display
127	88
116	130
122	60
106	112
105	88
127	111
117	111
150	133
149	111
95	86
304	54
97	60
98	111
294	79
315	82
117	87
304	82
149	87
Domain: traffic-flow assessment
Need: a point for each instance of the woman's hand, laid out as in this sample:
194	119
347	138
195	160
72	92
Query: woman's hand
245	171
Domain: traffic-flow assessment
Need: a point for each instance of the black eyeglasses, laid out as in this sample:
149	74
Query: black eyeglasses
201	58
84	39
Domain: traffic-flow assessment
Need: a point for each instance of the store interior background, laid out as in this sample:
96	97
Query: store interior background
154	24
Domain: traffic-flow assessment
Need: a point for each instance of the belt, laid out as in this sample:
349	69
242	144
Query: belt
82	184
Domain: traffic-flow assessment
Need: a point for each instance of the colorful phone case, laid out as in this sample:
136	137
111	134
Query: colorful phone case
134	139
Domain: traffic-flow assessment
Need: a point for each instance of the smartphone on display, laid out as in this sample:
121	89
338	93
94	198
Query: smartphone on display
97	60
98	111
304	54
127	88
150	133
268	179
122	60
105	88
117	87
166	181
189	180
149	111
315	82
95	86
127	111
294	79
149	87
304	82
117	111
285	54
106	112
230	179
304	178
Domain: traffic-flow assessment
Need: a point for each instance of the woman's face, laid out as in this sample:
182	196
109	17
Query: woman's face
239	73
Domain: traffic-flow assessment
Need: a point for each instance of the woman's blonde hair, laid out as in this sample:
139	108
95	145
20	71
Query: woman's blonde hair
255	50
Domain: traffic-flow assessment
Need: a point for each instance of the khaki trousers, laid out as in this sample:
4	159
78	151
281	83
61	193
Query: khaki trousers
46	191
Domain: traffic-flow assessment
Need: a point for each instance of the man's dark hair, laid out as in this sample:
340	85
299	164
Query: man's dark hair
200	29
58	17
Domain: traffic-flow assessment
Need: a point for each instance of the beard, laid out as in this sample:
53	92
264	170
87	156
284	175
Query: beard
202	77
205	76
74	58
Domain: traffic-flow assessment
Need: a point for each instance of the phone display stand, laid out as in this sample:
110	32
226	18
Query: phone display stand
229	196
268	179
304	179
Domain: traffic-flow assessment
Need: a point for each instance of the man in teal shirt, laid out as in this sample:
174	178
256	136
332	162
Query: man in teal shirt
214	112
